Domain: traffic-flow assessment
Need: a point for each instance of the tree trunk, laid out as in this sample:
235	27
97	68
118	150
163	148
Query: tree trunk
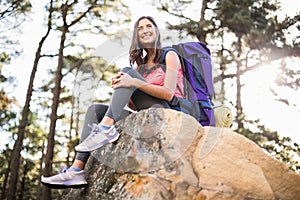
239	108
16	155
70	132
201	33
39	188
221	77
46	194
23	180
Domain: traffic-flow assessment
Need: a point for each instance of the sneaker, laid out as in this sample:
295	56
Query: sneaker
97	138
66	179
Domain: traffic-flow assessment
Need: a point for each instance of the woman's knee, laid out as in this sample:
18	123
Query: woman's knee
132	72
96	109
90	109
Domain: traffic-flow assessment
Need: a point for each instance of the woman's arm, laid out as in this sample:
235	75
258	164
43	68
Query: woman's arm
166	91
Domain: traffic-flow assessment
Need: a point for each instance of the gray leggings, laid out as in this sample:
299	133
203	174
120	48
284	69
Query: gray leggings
120	98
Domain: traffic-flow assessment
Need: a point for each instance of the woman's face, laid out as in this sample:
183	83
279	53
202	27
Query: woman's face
146	33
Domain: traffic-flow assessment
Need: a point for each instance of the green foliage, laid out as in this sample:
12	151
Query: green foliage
12	14
281	148
10	9
5	153
4	58
30	157
235	15
7	115
243	16
29	178
286	151
288	77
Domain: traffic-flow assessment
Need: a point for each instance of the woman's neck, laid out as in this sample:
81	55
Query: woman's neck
151	56
149	65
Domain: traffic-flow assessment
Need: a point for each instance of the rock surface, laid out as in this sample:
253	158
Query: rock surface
165	154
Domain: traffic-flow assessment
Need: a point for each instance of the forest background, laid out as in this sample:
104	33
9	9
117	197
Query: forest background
57	57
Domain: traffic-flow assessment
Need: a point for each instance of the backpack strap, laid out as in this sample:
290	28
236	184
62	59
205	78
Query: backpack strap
162	59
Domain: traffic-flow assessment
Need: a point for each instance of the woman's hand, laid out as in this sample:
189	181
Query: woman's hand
122	79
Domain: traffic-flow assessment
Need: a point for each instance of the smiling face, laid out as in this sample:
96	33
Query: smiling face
146	33
145	36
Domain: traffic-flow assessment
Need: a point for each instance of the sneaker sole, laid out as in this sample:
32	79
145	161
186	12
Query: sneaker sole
114	138
61	186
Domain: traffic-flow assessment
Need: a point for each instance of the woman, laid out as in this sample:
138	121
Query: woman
145	84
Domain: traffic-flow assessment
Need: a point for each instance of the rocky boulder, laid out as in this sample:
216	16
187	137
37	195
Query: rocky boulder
165	154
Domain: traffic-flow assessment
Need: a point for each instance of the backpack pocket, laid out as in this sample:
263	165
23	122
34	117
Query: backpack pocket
201	110
204	113
181	104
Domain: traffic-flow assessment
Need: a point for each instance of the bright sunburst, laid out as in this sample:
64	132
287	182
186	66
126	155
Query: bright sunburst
263	99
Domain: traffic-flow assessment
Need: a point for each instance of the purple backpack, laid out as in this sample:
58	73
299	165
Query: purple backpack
198	82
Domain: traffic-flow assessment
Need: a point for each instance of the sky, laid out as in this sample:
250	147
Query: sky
258	98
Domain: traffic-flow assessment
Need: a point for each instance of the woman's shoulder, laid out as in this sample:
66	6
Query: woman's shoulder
168	50
172	58
171	53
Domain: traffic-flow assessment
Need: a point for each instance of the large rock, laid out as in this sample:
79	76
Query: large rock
165	154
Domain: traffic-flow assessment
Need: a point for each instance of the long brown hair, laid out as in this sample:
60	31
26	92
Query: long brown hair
136	49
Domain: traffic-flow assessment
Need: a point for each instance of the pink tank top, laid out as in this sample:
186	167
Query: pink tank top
157	77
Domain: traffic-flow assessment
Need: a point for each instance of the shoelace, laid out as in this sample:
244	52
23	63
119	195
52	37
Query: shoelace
63	170
95	129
